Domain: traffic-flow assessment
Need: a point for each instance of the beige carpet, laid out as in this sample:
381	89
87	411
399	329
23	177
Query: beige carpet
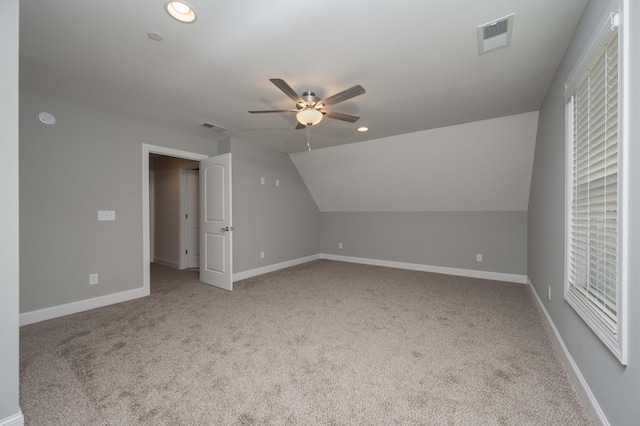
324	343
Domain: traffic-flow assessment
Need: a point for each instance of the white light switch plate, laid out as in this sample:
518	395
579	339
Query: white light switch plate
106	215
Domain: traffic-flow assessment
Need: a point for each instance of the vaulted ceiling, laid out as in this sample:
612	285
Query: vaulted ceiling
417	60
480	166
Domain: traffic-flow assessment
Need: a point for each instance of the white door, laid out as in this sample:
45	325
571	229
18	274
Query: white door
193	219
215	221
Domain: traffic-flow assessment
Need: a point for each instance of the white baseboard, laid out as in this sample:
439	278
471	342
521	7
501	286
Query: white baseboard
498	276
98	302
581	384
82	305
270	268
14	420
166	262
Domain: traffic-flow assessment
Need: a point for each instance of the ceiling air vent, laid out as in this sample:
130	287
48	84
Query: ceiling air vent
213	127
495	35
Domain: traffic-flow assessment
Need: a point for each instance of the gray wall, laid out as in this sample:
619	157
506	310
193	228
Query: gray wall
449	239
9	255
283	221
166	209
88	161
616	388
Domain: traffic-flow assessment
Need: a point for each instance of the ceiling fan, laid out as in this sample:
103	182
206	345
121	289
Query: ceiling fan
310	109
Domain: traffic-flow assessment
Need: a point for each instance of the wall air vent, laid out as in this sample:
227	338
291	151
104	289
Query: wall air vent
213	127
495	35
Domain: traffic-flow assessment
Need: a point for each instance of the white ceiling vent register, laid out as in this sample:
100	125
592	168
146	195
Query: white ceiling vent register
495	35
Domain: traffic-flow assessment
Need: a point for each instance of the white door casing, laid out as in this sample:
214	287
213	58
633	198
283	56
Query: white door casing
192	218
215	222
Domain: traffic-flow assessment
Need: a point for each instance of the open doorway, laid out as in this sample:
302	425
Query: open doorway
173	206
150	216
216	248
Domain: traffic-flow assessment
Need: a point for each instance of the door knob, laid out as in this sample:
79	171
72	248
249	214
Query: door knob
226	229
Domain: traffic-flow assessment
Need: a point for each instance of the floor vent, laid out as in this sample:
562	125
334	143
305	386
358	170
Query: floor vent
213	127
495	35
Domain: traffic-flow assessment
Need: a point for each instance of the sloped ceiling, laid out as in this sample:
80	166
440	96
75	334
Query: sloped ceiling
480	166
417	59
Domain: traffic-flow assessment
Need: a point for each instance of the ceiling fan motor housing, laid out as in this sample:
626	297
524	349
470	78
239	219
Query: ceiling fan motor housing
310	99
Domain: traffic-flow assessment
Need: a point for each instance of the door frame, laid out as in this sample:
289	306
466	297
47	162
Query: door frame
183	257
148	149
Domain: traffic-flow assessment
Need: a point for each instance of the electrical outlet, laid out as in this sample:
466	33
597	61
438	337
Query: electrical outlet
261	181
93	279
479	257
277	182
261	255
549	292
340	246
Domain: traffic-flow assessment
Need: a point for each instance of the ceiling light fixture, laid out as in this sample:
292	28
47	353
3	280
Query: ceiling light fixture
309	117
181	11
363	129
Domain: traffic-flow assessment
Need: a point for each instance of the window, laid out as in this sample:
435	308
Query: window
593	237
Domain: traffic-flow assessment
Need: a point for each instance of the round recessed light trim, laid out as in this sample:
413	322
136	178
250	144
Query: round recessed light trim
363	129
46	119
154	36
181	11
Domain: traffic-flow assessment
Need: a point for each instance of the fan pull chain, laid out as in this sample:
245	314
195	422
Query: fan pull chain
308	138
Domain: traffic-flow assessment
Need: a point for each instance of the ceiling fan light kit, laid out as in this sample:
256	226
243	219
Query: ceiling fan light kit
309	117
310	109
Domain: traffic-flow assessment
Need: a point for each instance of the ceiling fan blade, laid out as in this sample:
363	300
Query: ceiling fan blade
300	126
351	92
271	110
282	85
340	116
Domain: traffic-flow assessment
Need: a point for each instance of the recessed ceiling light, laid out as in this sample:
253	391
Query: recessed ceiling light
363	129
181	11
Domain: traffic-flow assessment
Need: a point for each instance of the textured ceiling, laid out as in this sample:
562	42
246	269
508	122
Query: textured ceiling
417	60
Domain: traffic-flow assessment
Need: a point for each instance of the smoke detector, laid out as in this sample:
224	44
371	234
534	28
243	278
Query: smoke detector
495	35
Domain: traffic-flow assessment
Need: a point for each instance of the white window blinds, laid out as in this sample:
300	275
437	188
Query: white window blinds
594	264
593	271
